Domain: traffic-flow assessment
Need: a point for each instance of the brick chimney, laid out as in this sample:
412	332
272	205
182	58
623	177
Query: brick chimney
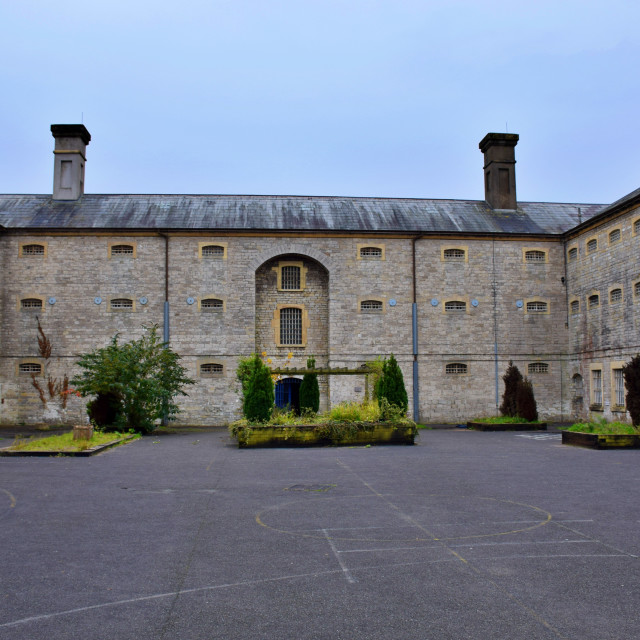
69	160
500	169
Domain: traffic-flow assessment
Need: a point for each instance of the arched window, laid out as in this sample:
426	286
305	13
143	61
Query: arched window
537	306
213	251
31	303
122	250
535	256
615	295
32	249
290	326
212	304
575	307
29	368
456	369
636	226
636	288
593	301
455	306
573	253
371	253
454	255
211	369
122	303
538	367
371	306
614	236
592	245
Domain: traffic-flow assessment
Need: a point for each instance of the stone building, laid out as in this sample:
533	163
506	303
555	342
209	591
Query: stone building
453	288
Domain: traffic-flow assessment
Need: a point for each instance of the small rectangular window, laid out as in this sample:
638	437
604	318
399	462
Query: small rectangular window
371	253
537	306
290	326
454	255
535	256
214	251
212	304
636	288
455	369
538	367
596	386
122	250
371	306
291	278
455	306
636	227
29	368
32	249
31	303
122	303
211	369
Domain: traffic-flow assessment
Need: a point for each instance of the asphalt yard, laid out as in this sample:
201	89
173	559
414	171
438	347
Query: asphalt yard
466	535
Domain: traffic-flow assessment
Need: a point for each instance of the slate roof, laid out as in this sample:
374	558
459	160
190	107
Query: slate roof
288	213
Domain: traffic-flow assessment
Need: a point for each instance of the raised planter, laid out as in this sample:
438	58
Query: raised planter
321	435
85	453
601	440
507	426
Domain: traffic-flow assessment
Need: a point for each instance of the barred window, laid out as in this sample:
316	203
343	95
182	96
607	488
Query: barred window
615	295
455	369
290	325
636	226
636	288
371	306
291	278
573	253
594	301
210	369
538	367
575	306
537	306
31	303
455	306
212	304
592	245
122	250
596	386
214	251
30	367
614	236
454	255
535	256
122	303
618	384
32	250
371	253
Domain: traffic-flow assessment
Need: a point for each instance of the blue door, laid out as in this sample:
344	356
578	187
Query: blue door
288	393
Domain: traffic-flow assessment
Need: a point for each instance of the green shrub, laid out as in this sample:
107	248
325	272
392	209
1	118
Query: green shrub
525	401
309	390
511	379
391	387
258	396
631	372
138	380
355	412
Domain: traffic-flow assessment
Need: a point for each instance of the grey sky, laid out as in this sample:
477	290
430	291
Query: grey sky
327	97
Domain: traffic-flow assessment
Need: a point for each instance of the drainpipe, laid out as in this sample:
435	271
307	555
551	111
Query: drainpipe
165	328
495	324
414	331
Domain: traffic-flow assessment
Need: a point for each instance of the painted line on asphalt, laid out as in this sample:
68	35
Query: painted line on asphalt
344	567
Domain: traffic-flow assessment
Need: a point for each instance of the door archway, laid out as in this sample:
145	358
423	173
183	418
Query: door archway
288	393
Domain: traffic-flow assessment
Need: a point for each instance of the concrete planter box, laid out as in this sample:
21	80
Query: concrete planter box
513	426
601	440
320	435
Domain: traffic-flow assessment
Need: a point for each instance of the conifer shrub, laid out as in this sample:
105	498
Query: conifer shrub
258	392
390	386
511	379
631	372
309	390
526	406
